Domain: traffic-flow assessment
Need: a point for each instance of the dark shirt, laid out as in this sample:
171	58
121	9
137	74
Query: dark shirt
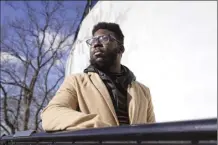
120	101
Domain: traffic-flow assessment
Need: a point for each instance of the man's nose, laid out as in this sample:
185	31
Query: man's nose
97	44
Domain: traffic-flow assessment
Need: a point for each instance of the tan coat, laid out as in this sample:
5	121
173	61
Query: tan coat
89	92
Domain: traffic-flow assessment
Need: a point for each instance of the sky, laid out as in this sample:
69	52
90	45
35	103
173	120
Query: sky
7	12
13	9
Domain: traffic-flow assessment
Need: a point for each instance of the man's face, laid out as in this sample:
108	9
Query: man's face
103	55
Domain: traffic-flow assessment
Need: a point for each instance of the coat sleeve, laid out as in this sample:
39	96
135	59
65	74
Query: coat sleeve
61	114
150	111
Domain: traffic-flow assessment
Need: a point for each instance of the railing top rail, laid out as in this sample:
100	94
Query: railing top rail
183	130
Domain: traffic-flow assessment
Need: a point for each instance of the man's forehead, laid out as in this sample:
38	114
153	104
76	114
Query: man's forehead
100	32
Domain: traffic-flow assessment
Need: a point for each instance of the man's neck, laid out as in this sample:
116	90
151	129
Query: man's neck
115	69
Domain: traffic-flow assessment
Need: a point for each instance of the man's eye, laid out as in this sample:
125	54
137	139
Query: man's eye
92	41
104	38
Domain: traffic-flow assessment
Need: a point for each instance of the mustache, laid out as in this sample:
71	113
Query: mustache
99	49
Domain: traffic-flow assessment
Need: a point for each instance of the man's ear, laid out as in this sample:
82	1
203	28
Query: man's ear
122	49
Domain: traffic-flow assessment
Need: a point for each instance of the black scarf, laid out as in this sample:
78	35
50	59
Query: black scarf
124	78
116	83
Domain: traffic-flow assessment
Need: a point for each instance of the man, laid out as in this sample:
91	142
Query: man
106	94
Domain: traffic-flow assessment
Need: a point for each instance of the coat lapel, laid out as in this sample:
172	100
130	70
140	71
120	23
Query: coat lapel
98	83
133	102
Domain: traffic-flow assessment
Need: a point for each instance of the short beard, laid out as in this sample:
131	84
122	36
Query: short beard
108	61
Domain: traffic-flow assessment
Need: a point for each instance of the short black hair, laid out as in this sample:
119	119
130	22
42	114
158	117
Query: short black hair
111	27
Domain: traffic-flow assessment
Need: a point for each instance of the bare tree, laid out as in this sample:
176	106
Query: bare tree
33	52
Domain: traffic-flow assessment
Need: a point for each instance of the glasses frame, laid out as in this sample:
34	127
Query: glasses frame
111	37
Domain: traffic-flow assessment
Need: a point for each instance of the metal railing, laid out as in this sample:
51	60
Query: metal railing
191	132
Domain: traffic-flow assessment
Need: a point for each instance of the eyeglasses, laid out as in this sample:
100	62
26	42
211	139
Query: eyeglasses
103	39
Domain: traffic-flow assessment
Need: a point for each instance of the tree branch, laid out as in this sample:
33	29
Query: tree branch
5	129
8	123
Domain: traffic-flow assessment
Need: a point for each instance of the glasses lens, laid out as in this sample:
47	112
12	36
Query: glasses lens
104	39
91	41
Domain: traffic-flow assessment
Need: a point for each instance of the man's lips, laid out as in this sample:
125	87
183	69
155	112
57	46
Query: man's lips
98	53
